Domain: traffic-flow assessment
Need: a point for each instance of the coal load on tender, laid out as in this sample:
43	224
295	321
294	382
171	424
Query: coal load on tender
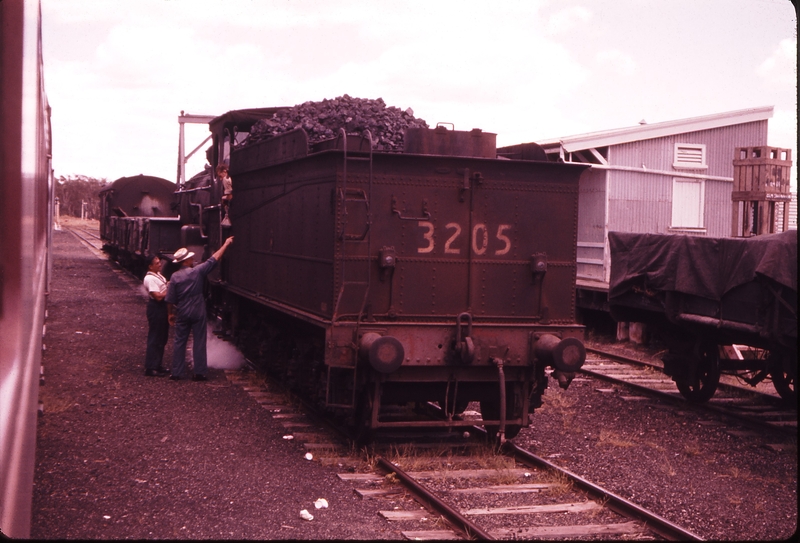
323	120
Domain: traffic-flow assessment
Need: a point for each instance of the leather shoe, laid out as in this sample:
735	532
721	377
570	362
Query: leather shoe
158	372
198	377
174	377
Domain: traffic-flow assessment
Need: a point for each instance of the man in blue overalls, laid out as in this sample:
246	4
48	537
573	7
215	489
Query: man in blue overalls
185	295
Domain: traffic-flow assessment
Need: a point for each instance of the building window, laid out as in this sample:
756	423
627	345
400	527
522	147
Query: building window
689	156
687	203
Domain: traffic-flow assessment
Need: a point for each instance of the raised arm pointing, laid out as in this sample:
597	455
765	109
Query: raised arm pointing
221	250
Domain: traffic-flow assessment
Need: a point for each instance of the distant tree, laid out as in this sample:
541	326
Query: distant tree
72	191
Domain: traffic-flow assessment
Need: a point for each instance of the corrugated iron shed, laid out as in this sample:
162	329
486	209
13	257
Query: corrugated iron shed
667	177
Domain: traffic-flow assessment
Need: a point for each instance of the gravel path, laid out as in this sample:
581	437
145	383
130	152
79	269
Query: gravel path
121	455
705	473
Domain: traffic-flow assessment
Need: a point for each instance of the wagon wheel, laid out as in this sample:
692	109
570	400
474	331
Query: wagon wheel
783	367
698	386
490	410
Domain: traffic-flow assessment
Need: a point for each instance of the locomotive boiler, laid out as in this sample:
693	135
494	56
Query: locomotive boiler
371	279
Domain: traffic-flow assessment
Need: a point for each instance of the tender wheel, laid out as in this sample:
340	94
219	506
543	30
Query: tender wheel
490	409
784	375
700	387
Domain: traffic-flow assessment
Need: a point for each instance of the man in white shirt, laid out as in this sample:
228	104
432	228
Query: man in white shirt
157	319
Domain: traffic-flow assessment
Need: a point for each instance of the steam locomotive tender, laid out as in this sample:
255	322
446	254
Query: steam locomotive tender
370	279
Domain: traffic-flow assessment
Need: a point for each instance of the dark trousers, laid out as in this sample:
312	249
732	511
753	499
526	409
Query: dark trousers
198	330
157	333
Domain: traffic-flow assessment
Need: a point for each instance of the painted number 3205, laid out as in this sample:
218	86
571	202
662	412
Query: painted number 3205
480	239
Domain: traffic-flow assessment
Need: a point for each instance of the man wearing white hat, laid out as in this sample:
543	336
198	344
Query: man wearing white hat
185	294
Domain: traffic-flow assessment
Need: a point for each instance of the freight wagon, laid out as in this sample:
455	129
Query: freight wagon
700	294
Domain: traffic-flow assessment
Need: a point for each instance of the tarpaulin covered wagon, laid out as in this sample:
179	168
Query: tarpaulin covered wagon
704	293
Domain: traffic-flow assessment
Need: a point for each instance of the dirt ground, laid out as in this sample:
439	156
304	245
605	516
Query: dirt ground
121	455
712	476
124	456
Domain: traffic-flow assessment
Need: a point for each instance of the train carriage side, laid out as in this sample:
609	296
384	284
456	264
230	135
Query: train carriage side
426	277
26	218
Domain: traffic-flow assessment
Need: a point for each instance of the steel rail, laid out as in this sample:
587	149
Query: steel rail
721	384
623	358
653	522
676	397
89	233
673	396
99	253
88	243
470	530
455	518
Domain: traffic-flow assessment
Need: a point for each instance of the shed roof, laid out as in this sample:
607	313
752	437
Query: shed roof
658	130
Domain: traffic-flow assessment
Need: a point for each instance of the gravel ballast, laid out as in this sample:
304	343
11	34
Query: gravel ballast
121	456
124	456
706	473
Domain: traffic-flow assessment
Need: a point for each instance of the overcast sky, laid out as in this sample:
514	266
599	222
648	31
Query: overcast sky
119	72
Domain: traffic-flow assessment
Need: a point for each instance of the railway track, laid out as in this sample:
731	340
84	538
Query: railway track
534	510
461	487
750	406
89	237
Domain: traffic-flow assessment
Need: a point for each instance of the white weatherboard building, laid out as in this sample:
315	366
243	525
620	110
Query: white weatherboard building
670	177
